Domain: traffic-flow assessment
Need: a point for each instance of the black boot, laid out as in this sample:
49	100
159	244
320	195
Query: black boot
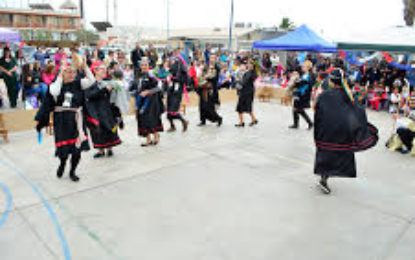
202	123
99	155
220	121
74	163
172	127
110	153
121	124
296	118
61	168
323	184
307	119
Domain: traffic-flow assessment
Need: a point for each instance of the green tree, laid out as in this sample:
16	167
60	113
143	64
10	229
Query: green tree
286	24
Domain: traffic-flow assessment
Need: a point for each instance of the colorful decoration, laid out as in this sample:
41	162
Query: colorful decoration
347	89
351	58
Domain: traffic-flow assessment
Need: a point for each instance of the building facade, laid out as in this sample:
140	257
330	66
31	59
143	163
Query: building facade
39	25
218	38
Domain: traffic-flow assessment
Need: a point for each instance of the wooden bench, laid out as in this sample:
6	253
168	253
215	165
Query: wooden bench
265	94
3	130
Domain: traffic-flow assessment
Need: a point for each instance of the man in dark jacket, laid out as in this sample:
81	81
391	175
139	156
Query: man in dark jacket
136	56
302	96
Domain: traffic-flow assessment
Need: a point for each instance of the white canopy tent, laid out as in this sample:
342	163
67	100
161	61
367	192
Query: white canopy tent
393	39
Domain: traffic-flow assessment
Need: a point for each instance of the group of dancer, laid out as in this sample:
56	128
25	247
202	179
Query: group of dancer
93	98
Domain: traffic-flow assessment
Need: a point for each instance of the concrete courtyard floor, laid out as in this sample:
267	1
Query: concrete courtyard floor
209	194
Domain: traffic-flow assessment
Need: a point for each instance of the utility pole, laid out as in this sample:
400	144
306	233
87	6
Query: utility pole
81	8
115	13
108	10
168	24
230	28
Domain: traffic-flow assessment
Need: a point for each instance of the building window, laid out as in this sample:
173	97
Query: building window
6	19
24	20
56	36
55	22
38	21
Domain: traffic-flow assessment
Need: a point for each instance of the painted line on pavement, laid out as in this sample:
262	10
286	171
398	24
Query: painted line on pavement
64	243
9	202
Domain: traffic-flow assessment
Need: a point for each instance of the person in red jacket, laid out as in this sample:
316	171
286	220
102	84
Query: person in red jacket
192	73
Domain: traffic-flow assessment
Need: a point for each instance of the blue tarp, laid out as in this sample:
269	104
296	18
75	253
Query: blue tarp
301	39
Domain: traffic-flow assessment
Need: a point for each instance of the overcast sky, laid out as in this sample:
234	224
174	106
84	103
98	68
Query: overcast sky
333	18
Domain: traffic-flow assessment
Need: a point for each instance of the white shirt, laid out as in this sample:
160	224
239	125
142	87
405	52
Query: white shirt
395	98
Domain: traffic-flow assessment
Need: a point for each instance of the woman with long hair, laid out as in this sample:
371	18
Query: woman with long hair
32	82
8	67
266	64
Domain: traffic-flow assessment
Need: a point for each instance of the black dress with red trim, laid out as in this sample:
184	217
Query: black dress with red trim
100	117
65	122
341	129
149	121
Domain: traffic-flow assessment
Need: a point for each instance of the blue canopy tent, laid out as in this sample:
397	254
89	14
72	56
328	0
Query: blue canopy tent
301	39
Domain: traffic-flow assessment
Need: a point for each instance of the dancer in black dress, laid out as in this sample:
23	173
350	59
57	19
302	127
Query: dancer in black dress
100	116
66	100
207	97
246	96
175	86
215	78
149	111
341	129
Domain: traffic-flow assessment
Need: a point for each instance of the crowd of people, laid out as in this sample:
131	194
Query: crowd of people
93	90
